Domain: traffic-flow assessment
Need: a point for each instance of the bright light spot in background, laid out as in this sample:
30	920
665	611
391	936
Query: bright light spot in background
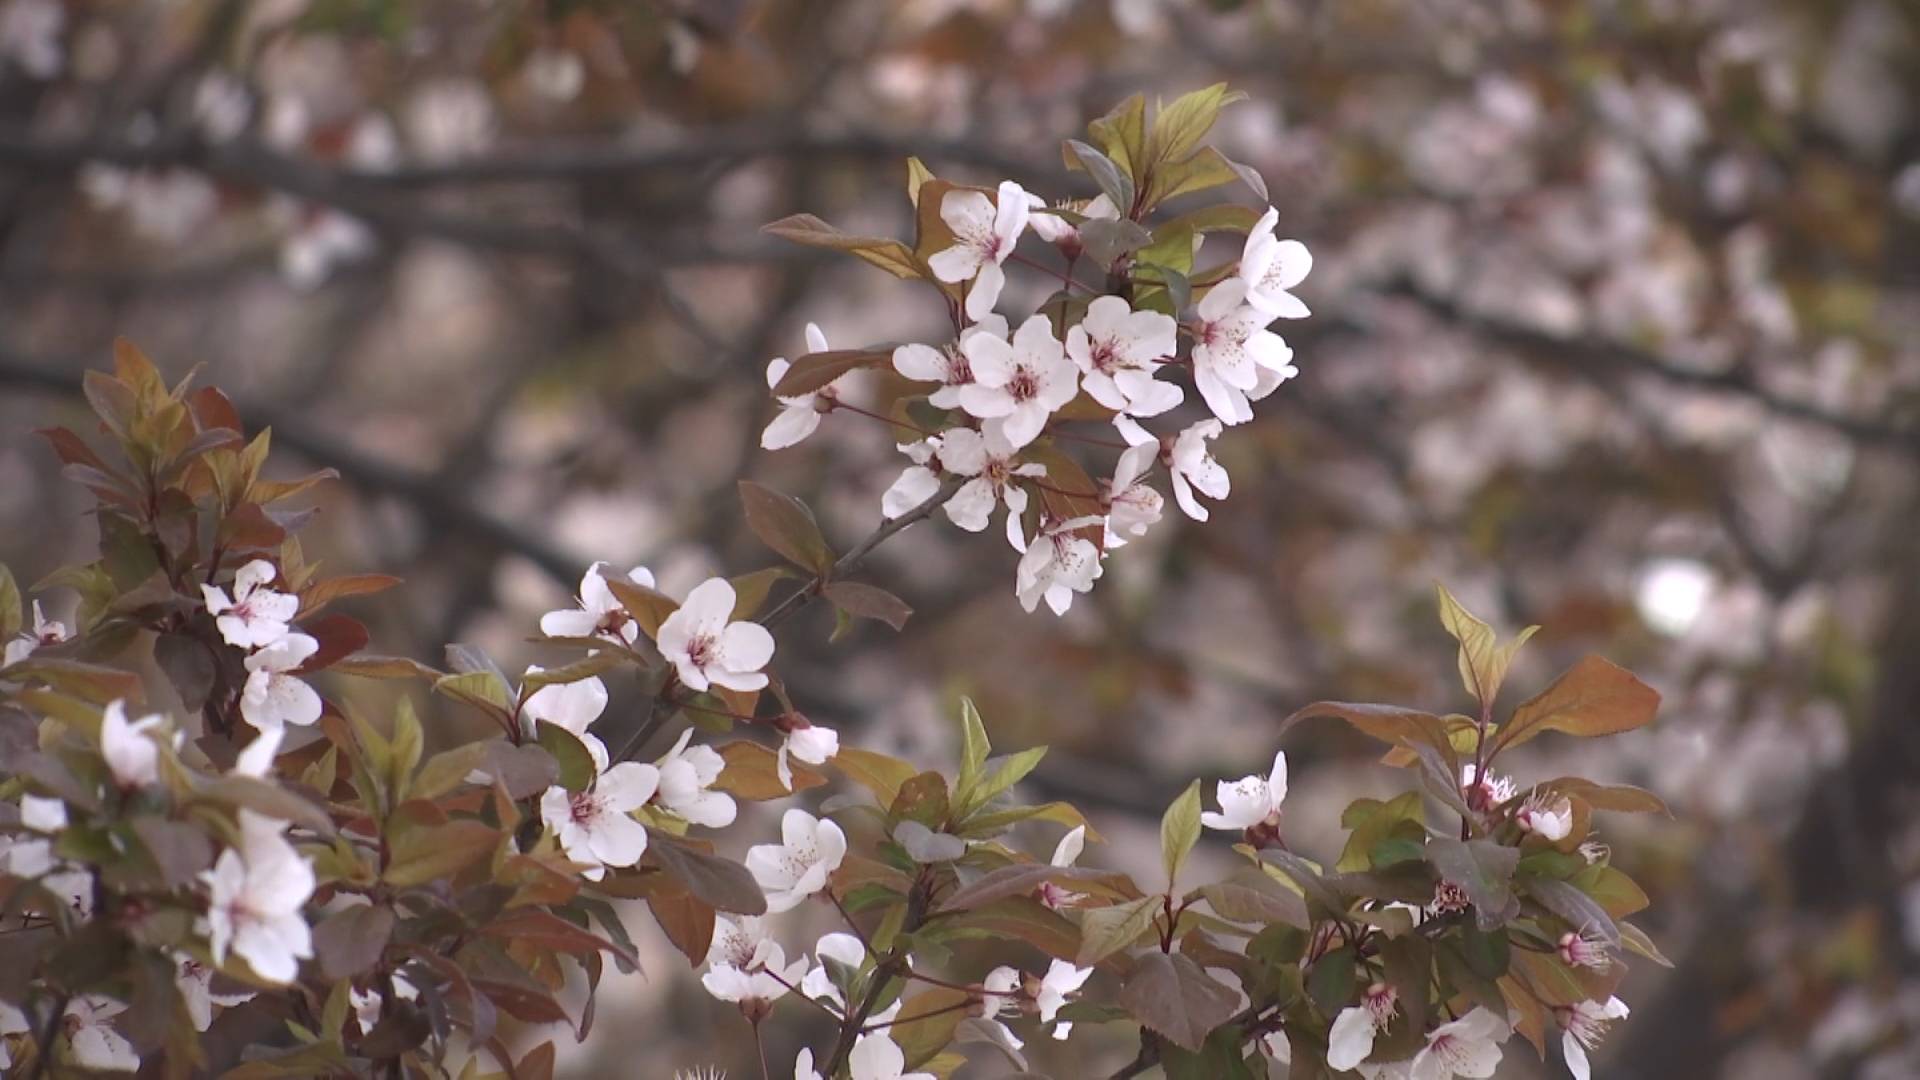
1672	593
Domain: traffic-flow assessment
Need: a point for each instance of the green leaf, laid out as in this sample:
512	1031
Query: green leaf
1624	798
1612	889
1105	240
974	748
864	601
270	800
1483	869
1594	697
1581	912
724	885
1180	830
1180	124
1331	981
448	769
1175	997
1108	930
888	254
784	524
1114	183
1122	134
12	611
1251	896
481	689
815	370
1637	941
1388	723
917	175
1222	1058
577	768
424	853
1005	771
877	772
350	942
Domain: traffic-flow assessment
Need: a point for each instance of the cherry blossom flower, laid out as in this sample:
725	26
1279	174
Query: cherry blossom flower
987	458
573	706
256	893
45	632
1354	1030
1061	982
708	648
1118	350
803	1065
1487	793
799	415
844	950
1059	563
1585	949
1000	986
1065	854
985	232
273	695
43	814
1270	267
1277	1046
878	1057
1469	1046
1018	386
1547	816
221	106
1064	234
1132	505
1586	1024
1231	345
131	756
947	365
91	1037
596	827
600	613
1194	469
686	774
803	740
1250	800
255	615
257	759
368	1003
747	967
195	981
809	851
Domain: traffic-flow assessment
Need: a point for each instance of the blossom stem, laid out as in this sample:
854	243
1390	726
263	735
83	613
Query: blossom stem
841	406
797	992
760	1044
866	1029
865	943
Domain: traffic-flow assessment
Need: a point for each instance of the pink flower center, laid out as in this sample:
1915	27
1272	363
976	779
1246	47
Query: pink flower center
1103	355
959	371
1024	386
583	807
702	650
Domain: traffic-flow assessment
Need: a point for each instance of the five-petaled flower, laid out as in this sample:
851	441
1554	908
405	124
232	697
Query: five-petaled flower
878	1057
1133	506
256	893
1586	1024
1235	357
1017	386
195	981
45	632
809	851
1547	815
1118	350
1250	800
131	755
985	231
987	459
686	774
1061	982
91	1037
1351	1038
800	413
947	365
1469	1046
802	740
1270	266
1194	469
845	951
1059	563
600	613
273	695
708	648
254	616
1065	854
746	967
596	827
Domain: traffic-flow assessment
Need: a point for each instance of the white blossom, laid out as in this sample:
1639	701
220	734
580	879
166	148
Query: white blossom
450	118
803	1065
799	414
1250	800
131	755
1133	506
1587	1024
987	459
708	648
841	948
878	1057
91	1036
1231	347
1270	267
195	981
43	814
1055	229
985	232
1469	1046
809	851
1065	854
1546	815
1488	793
554	73
746	966
368	1003
1016	387
1058	564
1354	1030
947	365
45	632
1118	350
273	695
812	744
600	613
686	774
254	616
1061	982
596	827
573	705
221	106
1194	469
1585	949
256	893
321	239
